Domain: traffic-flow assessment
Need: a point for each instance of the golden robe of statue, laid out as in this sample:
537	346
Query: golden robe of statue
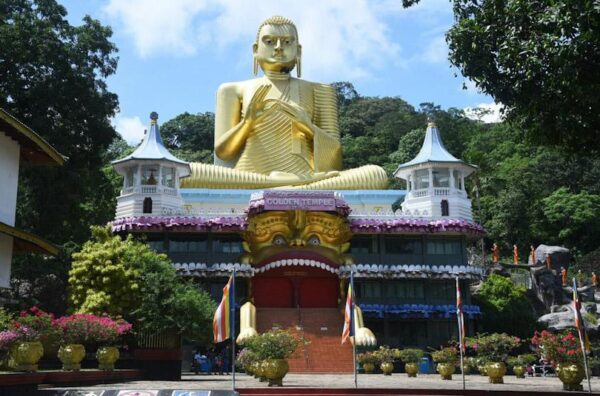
277	131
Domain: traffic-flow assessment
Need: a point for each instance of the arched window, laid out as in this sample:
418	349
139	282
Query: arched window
147	205
445	208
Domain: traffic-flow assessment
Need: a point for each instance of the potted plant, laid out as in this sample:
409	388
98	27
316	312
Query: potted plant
411	358
386	356
519	364
494	349
74	329
273	348
42	323
105	334
368	360
563	351
446	359
27	350
245	360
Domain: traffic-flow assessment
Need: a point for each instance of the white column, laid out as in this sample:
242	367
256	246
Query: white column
430	182
462	180
452	186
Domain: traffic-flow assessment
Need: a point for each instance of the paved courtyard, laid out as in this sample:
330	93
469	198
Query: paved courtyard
223	382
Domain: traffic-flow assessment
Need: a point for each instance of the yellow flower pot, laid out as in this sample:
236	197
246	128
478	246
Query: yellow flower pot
107	356
519	371
71	356
571	376
27	355
446	370
369	368
262	371
275	370
411	369
257	369
496	372
387	368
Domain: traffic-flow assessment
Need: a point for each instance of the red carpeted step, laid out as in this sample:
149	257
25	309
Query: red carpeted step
321	328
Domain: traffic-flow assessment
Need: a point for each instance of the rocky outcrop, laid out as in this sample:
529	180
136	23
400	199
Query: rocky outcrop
559	256
562	317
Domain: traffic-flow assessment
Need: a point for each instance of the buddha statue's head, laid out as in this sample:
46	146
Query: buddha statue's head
277	48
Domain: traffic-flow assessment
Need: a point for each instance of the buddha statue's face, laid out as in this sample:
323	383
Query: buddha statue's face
277	48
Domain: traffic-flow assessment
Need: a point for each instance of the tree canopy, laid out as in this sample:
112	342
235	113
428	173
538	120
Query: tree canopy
53	78
539	58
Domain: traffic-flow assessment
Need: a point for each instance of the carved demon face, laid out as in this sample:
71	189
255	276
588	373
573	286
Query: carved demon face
296	234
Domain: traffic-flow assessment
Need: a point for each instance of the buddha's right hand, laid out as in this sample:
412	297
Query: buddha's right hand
257	104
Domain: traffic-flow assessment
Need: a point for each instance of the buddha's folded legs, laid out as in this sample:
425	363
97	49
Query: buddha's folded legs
214	176
368	177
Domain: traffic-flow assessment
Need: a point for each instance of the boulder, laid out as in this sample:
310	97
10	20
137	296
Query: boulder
562	317
560	256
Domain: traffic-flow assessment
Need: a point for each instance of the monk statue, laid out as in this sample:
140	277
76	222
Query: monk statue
277	131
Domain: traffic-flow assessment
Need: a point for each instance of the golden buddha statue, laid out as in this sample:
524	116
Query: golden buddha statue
277	131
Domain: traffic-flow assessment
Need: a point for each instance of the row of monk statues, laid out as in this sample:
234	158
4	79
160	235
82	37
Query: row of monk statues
277	131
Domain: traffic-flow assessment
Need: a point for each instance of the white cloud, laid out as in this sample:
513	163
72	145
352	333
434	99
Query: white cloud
436	51
486	112
338	37
130	128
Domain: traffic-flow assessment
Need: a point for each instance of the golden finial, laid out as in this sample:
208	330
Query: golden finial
153	118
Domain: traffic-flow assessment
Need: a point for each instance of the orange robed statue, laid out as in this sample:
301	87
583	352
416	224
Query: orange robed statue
515	255
533	260
563	275
594	279
495	254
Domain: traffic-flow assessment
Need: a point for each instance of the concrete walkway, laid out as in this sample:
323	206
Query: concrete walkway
223	382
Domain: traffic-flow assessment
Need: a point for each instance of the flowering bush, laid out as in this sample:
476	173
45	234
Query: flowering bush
7	339
245	358
558	348
495	347
445	355
40	322
367	358
521	360
385	355
410	355
92	330
275	344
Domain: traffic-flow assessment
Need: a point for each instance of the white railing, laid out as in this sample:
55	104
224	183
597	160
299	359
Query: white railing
170	191
419	193
441	191
148	189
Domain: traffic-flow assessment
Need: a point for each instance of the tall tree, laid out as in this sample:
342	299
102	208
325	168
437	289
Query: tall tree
52	77
540	58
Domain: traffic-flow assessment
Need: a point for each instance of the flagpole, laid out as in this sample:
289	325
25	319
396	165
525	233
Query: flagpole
353	330
580	334
232	332
459	319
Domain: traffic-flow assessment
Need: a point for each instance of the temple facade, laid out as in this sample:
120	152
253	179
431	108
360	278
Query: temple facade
294	250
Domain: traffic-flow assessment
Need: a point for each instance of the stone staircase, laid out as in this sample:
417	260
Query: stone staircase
321	328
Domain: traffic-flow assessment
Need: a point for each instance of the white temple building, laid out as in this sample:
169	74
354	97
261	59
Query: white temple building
435	181
150	178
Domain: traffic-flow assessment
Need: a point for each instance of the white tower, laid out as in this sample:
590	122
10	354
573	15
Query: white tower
150	178
435	181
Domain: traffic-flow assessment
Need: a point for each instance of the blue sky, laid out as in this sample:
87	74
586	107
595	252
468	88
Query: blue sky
174	54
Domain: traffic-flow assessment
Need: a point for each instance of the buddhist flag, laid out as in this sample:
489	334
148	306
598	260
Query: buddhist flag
222	319
460	316
579	324
349	312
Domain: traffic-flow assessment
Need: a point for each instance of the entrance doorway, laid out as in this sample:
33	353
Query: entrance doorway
291	287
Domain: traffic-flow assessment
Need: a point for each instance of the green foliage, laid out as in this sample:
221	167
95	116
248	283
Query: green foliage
445	355
495	347
190	136
539	58
505	307
127	278
274	344
53	78
521	360
105	277
410	355
385	354
6	318
367	358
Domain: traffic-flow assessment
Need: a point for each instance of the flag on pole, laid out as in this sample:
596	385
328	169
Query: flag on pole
348	314
222	318
460	317
579	324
